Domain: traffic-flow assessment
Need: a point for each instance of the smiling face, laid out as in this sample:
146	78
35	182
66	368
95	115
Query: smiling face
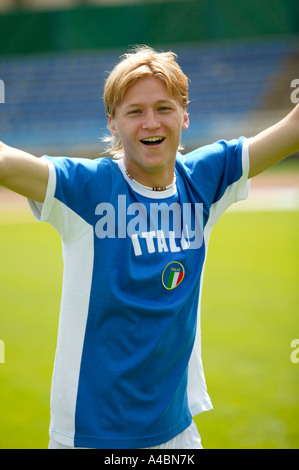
149	122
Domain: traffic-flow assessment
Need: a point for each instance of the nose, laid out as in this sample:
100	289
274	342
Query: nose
151	122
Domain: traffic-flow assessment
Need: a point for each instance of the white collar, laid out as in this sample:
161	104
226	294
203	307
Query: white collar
144	190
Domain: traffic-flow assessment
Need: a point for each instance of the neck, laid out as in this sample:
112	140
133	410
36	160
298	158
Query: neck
152	188
152	180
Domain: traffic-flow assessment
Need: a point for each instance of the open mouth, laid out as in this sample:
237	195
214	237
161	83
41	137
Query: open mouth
151	141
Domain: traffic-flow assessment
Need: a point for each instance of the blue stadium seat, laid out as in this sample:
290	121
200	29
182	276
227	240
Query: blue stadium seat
54	102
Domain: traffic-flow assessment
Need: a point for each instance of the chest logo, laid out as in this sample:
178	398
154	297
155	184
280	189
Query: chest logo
173	275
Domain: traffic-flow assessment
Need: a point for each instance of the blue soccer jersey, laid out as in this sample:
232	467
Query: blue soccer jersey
128	370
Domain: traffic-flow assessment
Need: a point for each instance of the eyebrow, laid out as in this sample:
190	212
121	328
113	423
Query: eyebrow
133	105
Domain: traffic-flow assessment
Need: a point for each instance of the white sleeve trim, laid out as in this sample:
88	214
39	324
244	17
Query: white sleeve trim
41	211
244	184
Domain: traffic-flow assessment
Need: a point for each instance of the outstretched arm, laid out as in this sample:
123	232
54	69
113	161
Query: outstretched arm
275	143
23	173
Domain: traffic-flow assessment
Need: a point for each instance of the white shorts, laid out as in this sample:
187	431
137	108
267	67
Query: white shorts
188	439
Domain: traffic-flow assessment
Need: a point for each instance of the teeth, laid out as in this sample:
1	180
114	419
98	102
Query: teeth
153	139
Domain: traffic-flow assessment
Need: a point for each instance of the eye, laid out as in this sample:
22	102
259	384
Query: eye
164	108
134	111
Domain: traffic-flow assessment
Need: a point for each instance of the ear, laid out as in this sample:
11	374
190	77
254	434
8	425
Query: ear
112	127
185	121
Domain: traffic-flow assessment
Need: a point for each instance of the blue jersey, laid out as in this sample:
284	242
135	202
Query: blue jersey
128	370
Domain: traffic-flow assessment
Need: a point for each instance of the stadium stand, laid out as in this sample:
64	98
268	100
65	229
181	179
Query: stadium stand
53	102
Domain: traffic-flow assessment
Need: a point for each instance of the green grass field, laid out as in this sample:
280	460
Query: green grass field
249	318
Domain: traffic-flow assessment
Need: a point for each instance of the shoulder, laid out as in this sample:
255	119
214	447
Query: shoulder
211	169
85	164
211	156
79	179
70	170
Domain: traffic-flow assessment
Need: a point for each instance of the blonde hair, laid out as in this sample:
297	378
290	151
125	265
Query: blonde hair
142	62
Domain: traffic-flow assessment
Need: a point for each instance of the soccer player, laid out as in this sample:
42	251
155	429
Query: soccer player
135	230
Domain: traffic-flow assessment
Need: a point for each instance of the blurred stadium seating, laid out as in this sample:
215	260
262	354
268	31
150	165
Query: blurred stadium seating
53	102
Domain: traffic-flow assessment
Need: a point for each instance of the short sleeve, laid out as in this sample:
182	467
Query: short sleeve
75	186
219	173
235	185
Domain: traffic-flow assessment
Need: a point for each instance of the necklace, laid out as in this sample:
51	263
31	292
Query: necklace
151	188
